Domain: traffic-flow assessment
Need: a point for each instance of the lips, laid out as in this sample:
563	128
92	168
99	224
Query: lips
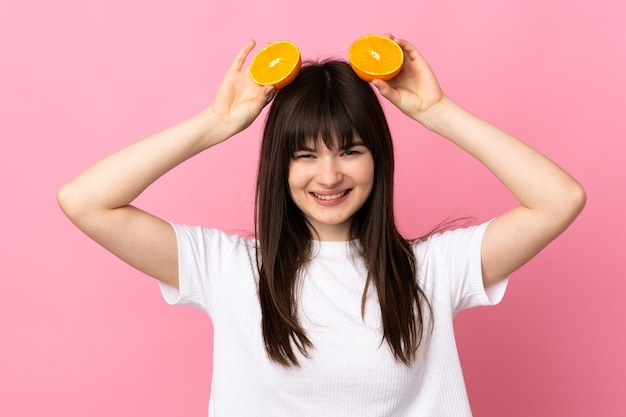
330	197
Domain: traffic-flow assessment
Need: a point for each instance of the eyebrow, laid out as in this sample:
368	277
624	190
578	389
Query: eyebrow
358	142
306	148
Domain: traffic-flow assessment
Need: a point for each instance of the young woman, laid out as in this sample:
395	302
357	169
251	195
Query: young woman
329	311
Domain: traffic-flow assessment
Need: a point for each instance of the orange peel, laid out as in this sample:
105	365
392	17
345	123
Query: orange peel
277	64
375	57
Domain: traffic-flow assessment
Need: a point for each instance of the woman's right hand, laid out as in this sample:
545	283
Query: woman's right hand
415	90
98	200
239	100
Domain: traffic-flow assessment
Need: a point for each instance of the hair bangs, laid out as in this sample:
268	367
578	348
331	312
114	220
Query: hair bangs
328	123
318	111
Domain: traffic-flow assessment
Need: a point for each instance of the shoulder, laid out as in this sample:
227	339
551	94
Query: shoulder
211	240
450	242
448	258
450	263
213	267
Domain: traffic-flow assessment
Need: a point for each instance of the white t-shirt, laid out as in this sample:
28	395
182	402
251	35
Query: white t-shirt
351	371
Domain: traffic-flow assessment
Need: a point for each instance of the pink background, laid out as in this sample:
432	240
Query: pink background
82	334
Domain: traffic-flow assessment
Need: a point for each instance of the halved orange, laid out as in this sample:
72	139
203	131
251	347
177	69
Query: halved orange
375	57
277	64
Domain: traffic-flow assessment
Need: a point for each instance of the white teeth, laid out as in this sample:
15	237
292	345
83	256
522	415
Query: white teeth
328	197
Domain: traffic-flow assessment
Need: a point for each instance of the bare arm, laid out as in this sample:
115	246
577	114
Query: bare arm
98	200
550	199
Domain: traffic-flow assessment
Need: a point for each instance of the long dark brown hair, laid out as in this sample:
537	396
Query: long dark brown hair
328	101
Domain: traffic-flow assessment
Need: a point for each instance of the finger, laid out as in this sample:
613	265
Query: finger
269	92
406	46
262	99
410	50
385	90
242	55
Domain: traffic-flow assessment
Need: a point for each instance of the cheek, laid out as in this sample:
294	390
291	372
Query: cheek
294	179
367	173
299	175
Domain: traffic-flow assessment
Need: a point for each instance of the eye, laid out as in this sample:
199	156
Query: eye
355	150
303	155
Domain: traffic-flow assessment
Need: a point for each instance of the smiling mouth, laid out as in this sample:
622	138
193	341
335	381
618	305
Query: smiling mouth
330	197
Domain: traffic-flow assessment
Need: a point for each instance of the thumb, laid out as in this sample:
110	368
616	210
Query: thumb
263	98
269	92
385	90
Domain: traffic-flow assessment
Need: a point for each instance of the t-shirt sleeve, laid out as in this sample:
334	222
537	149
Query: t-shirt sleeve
456	256
206	258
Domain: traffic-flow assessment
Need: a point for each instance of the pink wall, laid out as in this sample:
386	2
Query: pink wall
83	334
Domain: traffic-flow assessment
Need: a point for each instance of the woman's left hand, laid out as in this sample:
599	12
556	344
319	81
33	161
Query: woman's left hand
549	198
415	89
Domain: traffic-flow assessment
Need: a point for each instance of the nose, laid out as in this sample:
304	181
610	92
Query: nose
329	172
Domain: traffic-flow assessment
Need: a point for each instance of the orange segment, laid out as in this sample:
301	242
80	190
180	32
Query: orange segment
276	64
375	57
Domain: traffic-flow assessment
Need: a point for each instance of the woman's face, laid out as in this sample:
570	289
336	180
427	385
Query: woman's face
331	185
